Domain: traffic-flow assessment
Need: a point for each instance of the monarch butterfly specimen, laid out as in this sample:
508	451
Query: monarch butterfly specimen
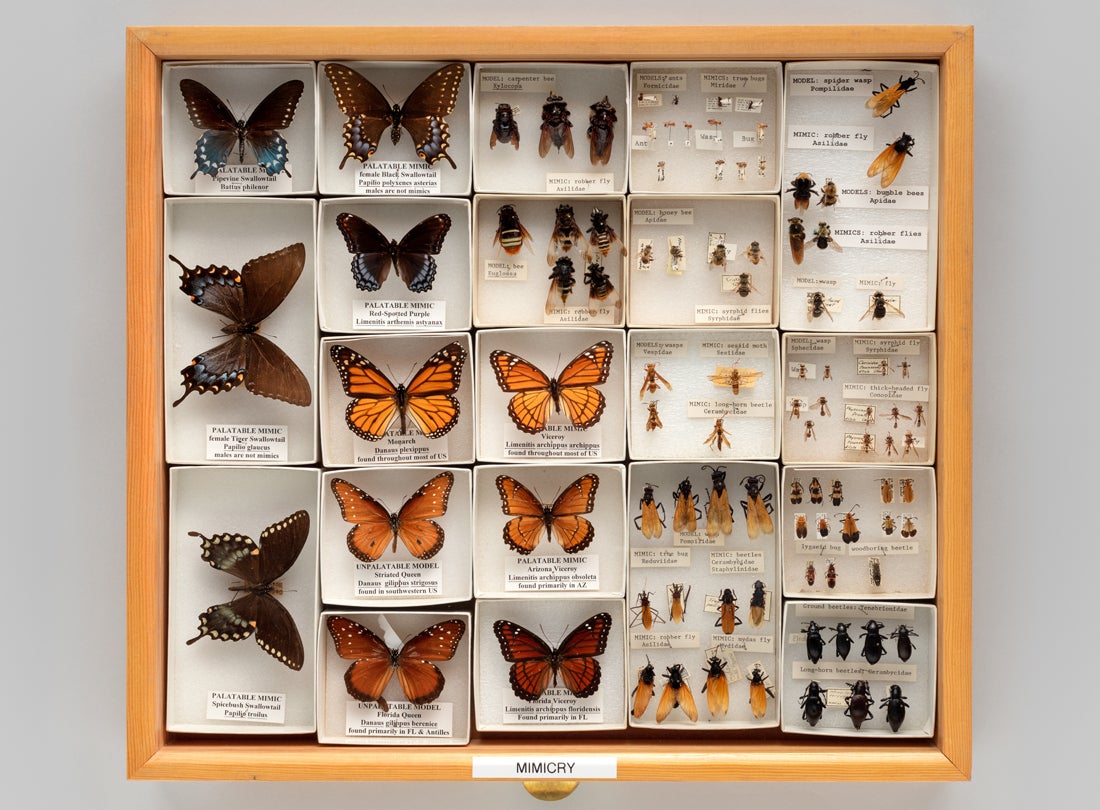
717	687
369	113
561	520
644	691
676	693
375	663
259	567
535	392
375	527
757	508
685	514
651	521
372	253
246	298
887	99
719	512
889	160
428	399
536	665
224	130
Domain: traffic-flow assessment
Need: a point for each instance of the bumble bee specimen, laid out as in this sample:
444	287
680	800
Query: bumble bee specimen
759	692
815	306
685	514
895	706
676	694
651	521
757	604
823	238
829	194
601	236
716	687
815	491
556	126
859	703
757	508
678	598
644	613
796	234
801	188
562	281
566	234
754	254
718	255
887	99
718	436
644	691
719	511
600	289
727	611
650	380
504	128
601	130
849	532
510	235
889	161
653	419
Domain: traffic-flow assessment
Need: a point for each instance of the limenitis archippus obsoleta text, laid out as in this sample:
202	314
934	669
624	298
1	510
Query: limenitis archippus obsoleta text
561	520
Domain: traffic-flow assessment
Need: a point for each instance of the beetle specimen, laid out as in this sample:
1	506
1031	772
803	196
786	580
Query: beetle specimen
718	436
815	491
889	161
644	613
650	379
556	126
644	690
879	307
510	235
874	570
801	188
719	511
796	492
757	508
887	489
908	529
815	306
843	640
873	650
811	573
887	99
796	235
849	532
758	692
859	703
829	194
888	525
562	281
717	687
837	494
686	513
601	130
676	693
905	646
800	530
727	611
815	647
600	289
504	127
895	706
757	604
754	254
653	419
906	489
823	238
811	703
830	574
566	234
651	521
822	527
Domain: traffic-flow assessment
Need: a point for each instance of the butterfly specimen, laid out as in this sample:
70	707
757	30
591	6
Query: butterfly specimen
536	666
412	256
375	527
254	608
428	400
561	520
676	693
246	298
422	114
574	388
375	663
888	163
224	130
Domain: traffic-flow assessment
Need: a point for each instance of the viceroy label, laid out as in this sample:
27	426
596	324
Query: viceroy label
554	706
246	442
580	572
419	314
403	719
397	579
246	707
398	177
558	441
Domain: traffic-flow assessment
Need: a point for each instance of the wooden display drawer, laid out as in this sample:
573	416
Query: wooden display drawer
638	754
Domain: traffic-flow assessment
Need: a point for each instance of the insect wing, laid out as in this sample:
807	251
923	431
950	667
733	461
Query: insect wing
888	164
372	254
367	111
425	109
275	112
372	531
366	679
644	691
415	263
652	526
420	679
531	672
523	530
370	264
535	665
580	671
719	514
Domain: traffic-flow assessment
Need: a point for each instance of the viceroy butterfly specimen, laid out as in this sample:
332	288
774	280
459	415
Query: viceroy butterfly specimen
535	392
369	114
375	662
536	666
561	520
246	298
255	610
427	401
224	130
372	253
375	527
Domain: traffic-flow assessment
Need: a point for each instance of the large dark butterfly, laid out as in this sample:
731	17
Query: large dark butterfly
246	298
255	610
422	114
535	392
375	663
412	256
562	519
376	527
224	130
376	402
535	664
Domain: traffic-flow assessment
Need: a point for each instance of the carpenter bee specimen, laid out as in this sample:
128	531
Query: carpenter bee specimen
504	128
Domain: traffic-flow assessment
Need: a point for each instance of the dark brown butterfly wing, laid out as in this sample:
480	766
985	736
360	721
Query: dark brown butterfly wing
415	262
373	666
424	111
367	111
421	680
246	299
373	253
370	249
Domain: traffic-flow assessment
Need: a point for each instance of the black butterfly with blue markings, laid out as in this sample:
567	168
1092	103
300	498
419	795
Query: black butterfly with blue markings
413	256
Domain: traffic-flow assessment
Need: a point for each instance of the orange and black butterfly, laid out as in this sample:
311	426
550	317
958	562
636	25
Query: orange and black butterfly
561	520
375	663
534	392
370	114
375	527
676	693
428	400
536	665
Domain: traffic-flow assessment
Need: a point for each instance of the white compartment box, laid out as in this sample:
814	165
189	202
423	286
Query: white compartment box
395	536
227	686
412	637
264	242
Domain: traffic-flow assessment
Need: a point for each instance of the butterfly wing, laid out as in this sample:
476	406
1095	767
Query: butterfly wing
367	111
372	531
522	532
578	667
431	401
425	109
275	112
531	672
367	677
420	534
529	408
374	398
572	531
210	113
370	264
583	403
421	680
415	262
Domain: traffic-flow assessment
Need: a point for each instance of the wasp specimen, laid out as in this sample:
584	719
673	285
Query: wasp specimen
910	444
651	378
802	370
822	526
823	238
796	492
734	377
889	161
718	436
829	194
727	611
800	529
653	419
849	532
504	127
874	569
905	645
811	572
601	236
719	511
562	281
676	694
906	485
801	188
651	521
510	235
600	289
905	366
754	254
601	130
644	613
918	418
837	495
811	703
886	489
809	433
895	414
744	286
815	306
895	706
678	598
757	507
556	126
815	647
888	525
830	574
566	234
843	640
716	687
758	692
796	407
823	404
685	514
644	691
859	703
816	495
887	99
796	235
757	604
873	649
908	528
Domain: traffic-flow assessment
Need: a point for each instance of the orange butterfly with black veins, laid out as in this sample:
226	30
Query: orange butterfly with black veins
536	665
562	519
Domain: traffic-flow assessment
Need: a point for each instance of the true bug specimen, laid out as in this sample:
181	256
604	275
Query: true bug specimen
843	640
837	495
601	236
918	411
801	188
644	691
718	436
823	238
906	485
811	573
676	693
754	254
796	492
849	532
600	289
800	530
910	444
653	419
874	570
888	525
566	234
716	687
556	126
744	286
815	306
562	280
796	235
889	161
873	649
504	129
829	194
650	379
510	235
811	703
601	130
887	99
908	528
719	511
757	604
880	307
905	646
895	706
808	431
830	574
644	613
686	512
651	521
758	692
822	527
859	703
757	507
678	598
727	611
815	647
886	489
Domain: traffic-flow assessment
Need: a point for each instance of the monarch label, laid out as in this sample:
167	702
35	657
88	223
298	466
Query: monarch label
543	767
554	706
246	442
246	707
409	314
397	448
398	177
579	572
404	719
244	180
396	579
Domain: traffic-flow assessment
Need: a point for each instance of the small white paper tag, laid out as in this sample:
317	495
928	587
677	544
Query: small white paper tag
398	177
246	707
246	442
404	719
572	572
418	314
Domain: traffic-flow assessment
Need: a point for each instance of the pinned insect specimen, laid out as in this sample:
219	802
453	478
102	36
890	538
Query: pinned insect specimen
800	529
757	507
727	611
874	570
562	281
759	692
908	527
815	491
796	492
808	431
601	130
843	640
801	188
644	691
830	574
796	407
823	238
676	694
895	706
718	436
678	598
651	379
796	234
510	235
653	420
757	604
735	377
685	512
837	495
816	307
644	613
910	444
886	489
504	129
601	236
859	703
811	573
716	687
811	703
885	100
754	254
823	408
651	521
566	234
849	532
829	194
601	292
888	443
905	645
556	126
815	646
744	286
888	525
873	649
895	414
889	161
906	485
719	511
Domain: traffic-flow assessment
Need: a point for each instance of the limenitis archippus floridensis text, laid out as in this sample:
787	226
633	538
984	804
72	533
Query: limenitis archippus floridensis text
536	666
